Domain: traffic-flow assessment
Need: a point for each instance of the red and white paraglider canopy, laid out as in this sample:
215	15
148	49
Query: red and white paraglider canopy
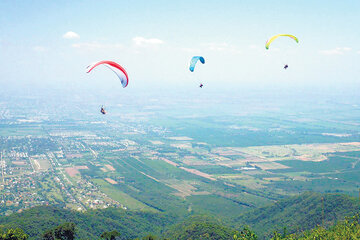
116	68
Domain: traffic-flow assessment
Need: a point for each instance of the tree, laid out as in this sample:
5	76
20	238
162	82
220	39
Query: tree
48	235
65	231
110	235
149	237
14	234
245	234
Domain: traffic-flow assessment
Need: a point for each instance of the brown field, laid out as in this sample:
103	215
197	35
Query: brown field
75	155
157	180
245	180
197	172
196	163
180	138
181	145
300	178
221	159
18	163
273	179
270	165
72	172
351	144
130	133
193	161
241	162
169	162
111	168
157	142
307	157
304	152
226	152
109	180
183	189
81	167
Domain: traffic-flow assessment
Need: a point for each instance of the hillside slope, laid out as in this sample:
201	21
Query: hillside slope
297	214
300	213
90	224
200	227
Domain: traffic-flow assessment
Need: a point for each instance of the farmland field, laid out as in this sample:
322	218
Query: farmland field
166	160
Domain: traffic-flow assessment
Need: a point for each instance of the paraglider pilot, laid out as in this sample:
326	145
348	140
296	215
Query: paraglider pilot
102	110
201	85
286	66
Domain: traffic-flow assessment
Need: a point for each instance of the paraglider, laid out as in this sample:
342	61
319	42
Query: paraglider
193	62
270	40
117	69
113	66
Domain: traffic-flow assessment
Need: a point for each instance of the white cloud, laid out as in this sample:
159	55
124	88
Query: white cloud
191	50
71	35
217	46
336	51
39	49
222	47
145	42
95	45
254	46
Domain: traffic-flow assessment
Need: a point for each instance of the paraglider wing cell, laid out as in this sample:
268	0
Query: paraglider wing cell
270	40
113	66
193	62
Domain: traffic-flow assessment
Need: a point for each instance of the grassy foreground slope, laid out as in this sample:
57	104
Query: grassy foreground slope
300	213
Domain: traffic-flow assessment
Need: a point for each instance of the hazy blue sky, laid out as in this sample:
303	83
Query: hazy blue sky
154	41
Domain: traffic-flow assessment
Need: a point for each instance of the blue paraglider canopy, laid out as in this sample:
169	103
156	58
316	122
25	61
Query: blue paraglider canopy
193	62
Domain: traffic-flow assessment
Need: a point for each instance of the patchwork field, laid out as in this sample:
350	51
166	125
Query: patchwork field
183	164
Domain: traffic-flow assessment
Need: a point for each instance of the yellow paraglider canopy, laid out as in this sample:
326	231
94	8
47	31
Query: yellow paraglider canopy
268	42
